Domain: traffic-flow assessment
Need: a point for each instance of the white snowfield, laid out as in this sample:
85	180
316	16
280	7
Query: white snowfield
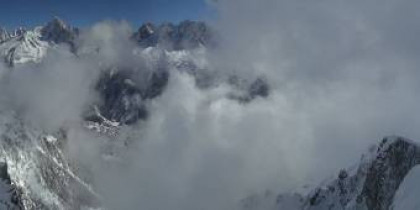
24	48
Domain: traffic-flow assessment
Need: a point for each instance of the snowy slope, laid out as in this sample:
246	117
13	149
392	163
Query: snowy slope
24	48
38	171
407	196
371	185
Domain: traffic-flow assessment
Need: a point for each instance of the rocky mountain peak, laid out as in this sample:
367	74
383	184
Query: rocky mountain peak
146	30
185	35
58	31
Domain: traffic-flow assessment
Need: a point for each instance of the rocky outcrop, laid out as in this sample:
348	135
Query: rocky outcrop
372	185
248	91
123	99
58	32
35	174
395	158
186	35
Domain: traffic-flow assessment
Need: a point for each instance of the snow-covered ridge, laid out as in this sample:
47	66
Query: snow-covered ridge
23	48
24	45
29	154
185	35
371	185
37	171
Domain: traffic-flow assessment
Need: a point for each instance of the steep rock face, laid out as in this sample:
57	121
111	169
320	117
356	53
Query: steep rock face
58	32
147	35
124	100
9	196
249	91
186	35
23	47
395	158
35	171
376	181
372	185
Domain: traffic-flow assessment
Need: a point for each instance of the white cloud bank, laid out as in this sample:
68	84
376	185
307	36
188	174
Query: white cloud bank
343	75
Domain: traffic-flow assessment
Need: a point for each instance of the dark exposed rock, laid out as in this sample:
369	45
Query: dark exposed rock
7	187
123	99
4	174
146	35
260	88
249	91
59	32
374	184
343	174
146	31
186	35
395	158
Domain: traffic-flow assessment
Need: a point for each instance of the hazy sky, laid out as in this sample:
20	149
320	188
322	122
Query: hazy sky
85	12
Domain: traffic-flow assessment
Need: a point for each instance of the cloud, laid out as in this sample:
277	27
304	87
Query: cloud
55	92
349	69
343	75
108	41
52	93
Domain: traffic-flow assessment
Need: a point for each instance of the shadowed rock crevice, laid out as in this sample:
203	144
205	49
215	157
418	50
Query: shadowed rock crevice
396	157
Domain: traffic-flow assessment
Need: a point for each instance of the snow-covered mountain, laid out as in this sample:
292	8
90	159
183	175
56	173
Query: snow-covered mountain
23	47
35	173
372	184
165	46
187	34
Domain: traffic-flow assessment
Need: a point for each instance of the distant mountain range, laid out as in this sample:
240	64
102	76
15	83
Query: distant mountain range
29	154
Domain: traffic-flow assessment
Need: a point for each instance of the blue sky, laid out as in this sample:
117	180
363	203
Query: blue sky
85	12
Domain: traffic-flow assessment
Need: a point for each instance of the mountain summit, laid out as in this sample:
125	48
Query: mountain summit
35	172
